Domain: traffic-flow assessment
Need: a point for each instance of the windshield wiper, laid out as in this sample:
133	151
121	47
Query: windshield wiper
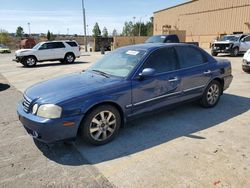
101	73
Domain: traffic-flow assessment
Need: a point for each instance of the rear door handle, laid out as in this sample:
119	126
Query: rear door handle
175	79
207	72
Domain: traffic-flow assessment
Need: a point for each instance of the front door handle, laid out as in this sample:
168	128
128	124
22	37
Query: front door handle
175	79
207	72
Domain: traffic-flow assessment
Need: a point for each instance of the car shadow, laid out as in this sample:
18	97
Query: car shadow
53	64
150	131
4	87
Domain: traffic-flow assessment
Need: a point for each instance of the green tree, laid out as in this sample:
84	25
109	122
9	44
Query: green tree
4	37
105	32
48	35
115	33
19	32
128	29
96	30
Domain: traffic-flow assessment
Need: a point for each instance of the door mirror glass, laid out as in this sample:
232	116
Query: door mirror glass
147	73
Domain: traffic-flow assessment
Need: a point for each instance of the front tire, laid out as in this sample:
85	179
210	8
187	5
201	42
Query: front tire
214	53
235	52
211	95
101	125
29	61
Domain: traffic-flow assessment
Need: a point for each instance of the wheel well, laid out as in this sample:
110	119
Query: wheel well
31	56
108	103
221	81
69	53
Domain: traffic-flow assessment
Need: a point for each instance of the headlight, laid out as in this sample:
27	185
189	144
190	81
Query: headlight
50	111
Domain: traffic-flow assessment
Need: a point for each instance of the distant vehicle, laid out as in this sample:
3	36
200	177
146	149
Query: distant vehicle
246	62
4	49
63	51
163	39
231	44
167	39
127	82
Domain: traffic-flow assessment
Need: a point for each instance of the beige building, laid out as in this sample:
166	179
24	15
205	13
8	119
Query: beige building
204	20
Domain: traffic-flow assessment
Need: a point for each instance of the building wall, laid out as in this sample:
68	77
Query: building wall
205	20
125	41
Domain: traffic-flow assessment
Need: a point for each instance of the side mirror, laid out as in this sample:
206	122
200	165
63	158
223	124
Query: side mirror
243	40
147	73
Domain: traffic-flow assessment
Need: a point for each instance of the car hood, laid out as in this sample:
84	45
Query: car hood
70	86
24	50
223	42
1	49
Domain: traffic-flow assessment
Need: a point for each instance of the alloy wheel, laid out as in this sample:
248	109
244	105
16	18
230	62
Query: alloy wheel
102	126
30	61
213	94
70	58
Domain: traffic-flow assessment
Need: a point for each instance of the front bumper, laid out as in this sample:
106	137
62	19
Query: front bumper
48	130
227	81
229	50
18	59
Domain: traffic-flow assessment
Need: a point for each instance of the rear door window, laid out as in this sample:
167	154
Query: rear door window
190	56
72	44
162	60
58	45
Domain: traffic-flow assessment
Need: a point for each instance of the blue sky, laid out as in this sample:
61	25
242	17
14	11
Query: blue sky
61	16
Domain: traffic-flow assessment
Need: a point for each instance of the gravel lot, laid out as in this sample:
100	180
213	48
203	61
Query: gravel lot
184	147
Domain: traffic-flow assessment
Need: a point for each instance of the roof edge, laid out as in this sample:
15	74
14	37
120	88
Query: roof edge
191	1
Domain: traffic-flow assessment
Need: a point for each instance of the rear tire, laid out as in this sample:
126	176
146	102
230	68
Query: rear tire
101	125
69	58
29	61
211	95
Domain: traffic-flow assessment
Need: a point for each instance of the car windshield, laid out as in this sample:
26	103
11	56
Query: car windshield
36	47
156	39
2	46
118	63
229	38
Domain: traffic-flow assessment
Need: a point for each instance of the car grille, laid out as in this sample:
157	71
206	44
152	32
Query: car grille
222	46
26	103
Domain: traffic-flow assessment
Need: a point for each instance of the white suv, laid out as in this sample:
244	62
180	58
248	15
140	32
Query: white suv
63	51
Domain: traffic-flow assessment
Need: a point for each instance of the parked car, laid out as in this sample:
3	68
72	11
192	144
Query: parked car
231	44
167	39
127	82
4	49
246	62
63	51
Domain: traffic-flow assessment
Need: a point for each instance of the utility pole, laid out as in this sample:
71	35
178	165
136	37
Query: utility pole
84	26
29	28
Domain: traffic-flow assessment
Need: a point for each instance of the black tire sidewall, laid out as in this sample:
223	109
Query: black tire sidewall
84	129
25	61
65	59
233	52
204	101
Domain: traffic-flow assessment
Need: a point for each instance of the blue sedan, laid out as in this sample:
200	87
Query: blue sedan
127	82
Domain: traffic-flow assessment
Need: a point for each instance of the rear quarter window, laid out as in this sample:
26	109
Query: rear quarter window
190	56
72	44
